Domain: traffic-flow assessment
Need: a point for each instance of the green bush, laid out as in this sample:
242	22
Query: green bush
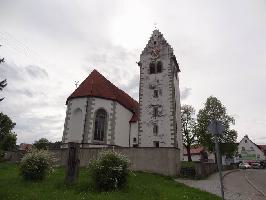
187	170
109	171
35	165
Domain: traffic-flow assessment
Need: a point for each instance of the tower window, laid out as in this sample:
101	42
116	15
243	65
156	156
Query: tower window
155	111
155	93
156	144
159	67
155	129
152	68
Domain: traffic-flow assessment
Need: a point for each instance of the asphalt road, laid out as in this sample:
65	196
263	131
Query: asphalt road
248	184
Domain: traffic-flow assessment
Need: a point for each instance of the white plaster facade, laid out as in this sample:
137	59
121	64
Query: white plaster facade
74	130
166	82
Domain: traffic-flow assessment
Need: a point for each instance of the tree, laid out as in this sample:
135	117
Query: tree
42	143
7	137
214	109
188	123
3	83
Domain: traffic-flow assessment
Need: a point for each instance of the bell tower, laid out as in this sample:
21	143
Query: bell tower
159	97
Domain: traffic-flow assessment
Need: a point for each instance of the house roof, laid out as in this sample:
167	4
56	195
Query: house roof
24	146
96	85
262	148
194	150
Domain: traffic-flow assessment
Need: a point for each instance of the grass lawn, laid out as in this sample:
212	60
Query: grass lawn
140	186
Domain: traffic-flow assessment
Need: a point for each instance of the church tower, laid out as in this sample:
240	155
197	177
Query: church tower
159	96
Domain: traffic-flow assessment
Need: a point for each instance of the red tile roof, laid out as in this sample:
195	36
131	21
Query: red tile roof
25	147
96	85
263	148
194	150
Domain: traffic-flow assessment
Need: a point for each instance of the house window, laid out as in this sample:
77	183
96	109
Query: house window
155	111
251	148
243	149
156	144
246	141
152	68
100	125
155	129
155	93
134	139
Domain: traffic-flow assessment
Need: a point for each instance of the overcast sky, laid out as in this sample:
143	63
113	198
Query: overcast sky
48	45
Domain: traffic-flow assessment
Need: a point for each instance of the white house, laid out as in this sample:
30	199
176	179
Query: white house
249	151
98	113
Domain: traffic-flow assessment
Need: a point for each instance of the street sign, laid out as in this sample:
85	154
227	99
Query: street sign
216	127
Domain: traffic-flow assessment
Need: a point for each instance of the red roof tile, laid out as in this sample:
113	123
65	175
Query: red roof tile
96	85
263	148
194	150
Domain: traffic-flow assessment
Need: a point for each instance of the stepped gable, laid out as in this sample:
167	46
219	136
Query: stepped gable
161	41
96	85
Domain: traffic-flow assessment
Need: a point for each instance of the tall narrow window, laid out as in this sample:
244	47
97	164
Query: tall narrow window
159	67
152	68
155	129
155	93
155	111
100	125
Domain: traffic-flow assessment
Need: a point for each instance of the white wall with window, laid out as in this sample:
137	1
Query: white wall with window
76	123
248	150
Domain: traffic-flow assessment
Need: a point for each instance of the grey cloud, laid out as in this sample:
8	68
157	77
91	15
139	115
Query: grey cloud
36	71
22	91
11	71
15	72
185	92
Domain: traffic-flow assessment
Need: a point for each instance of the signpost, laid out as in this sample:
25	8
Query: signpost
216	128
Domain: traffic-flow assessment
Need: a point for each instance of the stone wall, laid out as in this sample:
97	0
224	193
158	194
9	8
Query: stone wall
204	169
164	161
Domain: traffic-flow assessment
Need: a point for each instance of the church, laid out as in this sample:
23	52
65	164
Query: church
100	114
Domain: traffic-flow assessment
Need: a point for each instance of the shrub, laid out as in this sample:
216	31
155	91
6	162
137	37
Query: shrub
187	170
109	171
35	165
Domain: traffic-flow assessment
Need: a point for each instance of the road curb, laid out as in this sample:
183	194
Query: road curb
229	172
254	186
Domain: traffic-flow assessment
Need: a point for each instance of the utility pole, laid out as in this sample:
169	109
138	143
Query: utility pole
216	128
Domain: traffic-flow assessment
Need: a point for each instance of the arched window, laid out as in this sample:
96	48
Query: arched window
100	125
159	67
76	126
152	68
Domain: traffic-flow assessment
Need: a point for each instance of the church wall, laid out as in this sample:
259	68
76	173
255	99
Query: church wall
178	116
76	119
133	133
164	83
123	116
